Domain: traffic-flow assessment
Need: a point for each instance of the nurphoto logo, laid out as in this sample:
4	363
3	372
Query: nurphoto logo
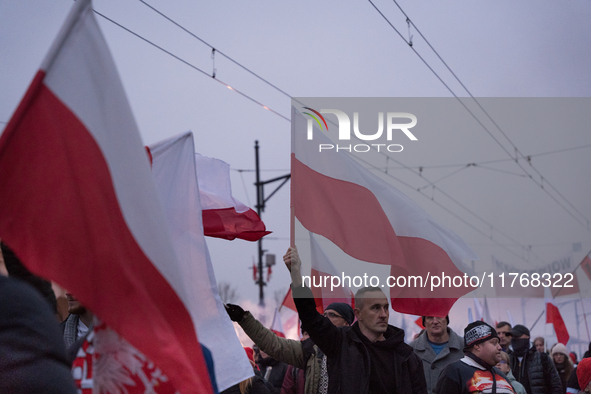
393	123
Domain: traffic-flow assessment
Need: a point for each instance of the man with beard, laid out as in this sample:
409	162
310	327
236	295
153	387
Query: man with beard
534	370
476	372
78	322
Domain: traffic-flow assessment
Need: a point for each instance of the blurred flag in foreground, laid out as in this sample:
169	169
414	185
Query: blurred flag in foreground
173	168
78	203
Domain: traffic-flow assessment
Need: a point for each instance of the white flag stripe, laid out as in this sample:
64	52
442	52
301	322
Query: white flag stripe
214	184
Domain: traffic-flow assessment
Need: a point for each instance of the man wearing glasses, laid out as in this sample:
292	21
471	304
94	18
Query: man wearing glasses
503	331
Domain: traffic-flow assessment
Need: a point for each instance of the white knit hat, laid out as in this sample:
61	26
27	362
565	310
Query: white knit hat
559	348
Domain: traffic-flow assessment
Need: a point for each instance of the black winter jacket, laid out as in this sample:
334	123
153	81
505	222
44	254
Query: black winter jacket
348	359
536	372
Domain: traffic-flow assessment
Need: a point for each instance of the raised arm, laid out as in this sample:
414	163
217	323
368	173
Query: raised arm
324	334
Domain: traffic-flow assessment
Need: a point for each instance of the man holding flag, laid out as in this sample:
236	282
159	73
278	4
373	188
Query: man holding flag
368	357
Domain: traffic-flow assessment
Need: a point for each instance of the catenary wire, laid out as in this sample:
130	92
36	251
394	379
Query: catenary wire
517	151
190	65
480	163
212	47
251	99
440	79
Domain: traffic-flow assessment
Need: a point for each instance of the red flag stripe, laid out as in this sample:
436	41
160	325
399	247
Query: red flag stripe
50	198
228	224
419	322
288	301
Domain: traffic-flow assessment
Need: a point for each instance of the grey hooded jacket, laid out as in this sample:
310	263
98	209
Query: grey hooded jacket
433	363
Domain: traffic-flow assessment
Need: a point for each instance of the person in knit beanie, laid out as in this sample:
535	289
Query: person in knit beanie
476	372
563	363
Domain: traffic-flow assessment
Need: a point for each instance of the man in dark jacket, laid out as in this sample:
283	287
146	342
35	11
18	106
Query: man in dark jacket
368	357
534	370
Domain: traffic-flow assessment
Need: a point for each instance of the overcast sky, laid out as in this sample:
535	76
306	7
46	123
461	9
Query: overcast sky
347	49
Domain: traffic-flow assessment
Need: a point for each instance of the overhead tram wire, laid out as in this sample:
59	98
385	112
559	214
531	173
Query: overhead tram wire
444	177
264	80
212	47
251	99
480	163
190	65
517	151
217	50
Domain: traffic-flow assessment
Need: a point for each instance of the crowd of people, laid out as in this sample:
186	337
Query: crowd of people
342	350
346	350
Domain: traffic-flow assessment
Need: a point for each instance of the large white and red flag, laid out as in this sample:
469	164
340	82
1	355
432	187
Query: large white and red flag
223	215
373	222
176	179
78	203
554	317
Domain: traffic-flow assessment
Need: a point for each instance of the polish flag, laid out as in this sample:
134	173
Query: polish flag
223	215
289	317
321	267
78	203
288	301
277	326
175	176
373	222
554	317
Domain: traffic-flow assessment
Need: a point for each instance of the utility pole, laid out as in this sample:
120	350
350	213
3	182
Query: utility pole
260	206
